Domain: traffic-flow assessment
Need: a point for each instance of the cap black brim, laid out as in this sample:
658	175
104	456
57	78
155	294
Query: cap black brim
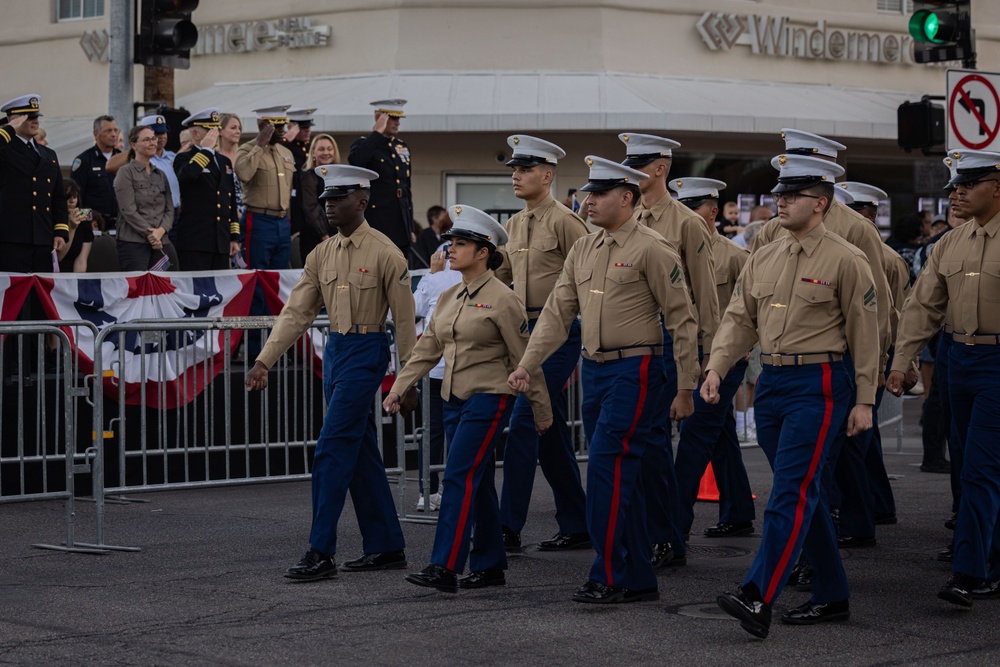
641	160
521	162
600	186
466	234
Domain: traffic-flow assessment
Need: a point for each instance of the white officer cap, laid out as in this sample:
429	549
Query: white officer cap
641	149
606	174
475	225
694	190
302	117
157	124
952	164
207	118
25	104
972	165
274	115
797	172
340	180
798	142
842	195
862	194
529	151
393	108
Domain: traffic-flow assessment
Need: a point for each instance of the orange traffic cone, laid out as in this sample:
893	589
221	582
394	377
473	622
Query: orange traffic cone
708	490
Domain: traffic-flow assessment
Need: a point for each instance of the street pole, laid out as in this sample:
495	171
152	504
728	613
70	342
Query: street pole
120	87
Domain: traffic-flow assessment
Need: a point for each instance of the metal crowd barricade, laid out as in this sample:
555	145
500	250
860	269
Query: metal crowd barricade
890	412
40	383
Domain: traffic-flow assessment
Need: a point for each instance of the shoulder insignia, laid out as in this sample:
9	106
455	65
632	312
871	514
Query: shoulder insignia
869	298
676	276
738	292
524	327
700	248
76	164
404	277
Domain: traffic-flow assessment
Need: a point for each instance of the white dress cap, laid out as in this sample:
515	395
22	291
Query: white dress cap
392	108
691	188
799	142
476	225
641	149
529	151
863	194
606	174
797	172
340	180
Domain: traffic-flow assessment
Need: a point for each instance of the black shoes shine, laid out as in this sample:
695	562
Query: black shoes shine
729	529
314	566
754	616
566	542
594	592
435	576
811	613
387	560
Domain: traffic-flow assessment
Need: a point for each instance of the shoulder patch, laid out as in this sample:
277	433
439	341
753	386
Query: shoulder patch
700	248
738	291
404	277
76	164
524	327
869	298
677	276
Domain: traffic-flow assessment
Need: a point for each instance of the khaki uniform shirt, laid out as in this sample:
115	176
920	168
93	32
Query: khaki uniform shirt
358	277
540	239
729	260
861	233
686	231
830	308
959	285
481	330
619	283
897	273
267	176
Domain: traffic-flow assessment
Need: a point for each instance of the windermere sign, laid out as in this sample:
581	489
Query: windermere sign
242	37
780	36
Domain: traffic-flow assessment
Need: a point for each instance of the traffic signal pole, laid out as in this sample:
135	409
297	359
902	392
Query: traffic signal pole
120	85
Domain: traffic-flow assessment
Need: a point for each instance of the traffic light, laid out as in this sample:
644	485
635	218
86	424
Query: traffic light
166	34
942	30
920	125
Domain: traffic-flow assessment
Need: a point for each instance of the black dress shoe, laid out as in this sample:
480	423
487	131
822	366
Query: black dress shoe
958	590
811	614
754	616
946	555
887	519
729	529
313	567
386	560
483	578
565	542
989	590
801	578
941	467
435	576
852	542
663	556
950	523
511	541
594	592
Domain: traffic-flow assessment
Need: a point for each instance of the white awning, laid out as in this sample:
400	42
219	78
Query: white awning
548	101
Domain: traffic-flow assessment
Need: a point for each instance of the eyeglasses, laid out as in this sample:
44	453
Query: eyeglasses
147	140
972	184
791	197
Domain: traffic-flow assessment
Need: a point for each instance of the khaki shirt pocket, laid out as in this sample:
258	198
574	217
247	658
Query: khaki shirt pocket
545	243
952	274
989	286
363	280
815	294
762	291
583	275
623	276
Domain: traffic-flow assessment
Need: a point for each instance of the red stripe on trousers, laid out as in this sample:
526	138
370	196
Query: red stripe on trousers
463	517
246	238
800	507
609	539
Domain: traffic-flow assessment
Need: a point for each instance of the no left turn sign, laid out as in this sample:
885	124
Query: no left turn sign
973	110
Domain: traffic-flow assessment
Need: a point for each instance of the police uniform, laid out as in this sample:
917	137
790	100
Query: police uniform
687	233
809	302
960	287
480	329
97	187
208	221
300	153
33	209
267	174
358	278
540	239
620	283
390	209
709	435
847	477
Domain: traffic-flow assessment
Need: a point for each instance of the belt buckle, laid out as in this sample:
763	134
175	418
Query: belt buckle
363	329
776	360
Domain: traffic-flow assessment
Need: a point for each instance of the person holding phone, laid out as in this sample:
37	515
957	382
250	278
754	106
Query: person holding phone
73	257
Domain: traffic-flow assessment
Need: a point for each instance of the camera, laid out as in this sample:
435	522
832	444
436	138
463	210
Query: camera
86	214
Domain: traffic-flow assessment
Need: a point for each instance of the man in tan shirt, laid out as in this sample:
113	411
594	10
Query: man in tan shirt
809	298
686	232
358	275
541	236
619	280
960	288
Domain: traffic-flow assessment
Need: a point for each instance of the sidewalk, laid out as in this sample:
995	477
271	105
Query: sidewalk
207	589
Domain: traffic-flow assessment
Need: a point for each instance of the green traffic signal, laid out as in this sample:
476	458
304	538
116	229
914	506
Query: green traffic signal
936	26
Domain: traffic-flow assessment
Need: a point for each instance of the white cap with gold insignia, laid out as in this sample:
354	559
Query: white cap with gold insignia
797	172
862	194
393	108
475	225
340	180
641	149
529	151
606	174
274	115
971	166
693	190
800	142
301	117
207	118
25	104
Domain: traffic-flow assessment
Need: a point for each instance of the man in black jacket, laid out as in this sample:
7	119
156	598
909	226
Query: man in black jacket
390	208
208	231
90	170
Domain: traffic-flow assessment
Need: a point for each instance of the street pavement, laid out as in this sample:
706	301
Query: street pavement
207	589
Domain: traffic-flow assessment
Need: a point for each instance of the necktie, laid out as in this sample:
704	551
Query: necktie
781	300
970	284
592	335
521	268
644	216
343	288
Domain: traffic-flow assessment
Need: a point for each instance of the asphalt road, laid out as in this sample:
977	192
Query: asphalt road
206	589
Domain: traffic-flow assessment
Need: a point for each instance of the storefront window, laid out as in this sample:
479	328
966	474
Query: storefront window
69	10
895	6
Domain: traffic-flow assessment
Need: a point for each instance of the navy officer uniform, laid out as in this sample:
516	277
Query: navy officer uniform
619	279
33	210
709	435
959	287
209	226
300	153
358	276
541	236
809	298
480	329
391	207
